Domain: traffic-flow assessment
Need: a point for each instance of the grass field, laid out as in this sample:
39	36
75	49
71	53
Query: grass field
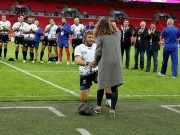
139	110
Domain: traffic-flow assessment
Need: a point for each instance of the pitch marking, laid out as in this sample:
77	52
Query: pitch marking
50	108
83	131
41	79
171	107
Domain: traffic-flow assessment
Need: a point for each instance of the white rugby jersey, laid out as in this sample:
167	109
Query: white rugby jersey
52	31
21	28
77	32
27	28
87	54
6	24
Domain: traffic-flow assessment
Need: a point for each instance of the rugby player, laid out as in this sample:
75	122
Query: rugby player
29	35
19	36
5	27
77	30
51	30
84	53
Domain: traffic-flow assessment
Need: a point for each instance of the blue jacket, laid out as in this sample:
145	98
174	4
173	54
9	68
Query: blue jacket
88	28
170	35
64	33
38	35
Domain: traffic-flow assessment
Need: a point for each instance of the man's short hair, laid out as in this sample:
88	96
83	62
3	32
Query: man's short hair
86	33
170	21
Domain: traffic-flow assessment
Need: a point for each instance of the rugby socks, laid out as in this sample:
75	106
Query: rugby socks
5	52
60	54
73	57
31	56
41	56
114	97
68	54
24	55
0	52
16	54
100	94
50	59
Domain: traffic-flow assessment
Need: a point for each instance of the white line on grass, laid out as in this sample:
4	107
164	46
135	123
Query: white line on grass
50	108
35	96
83	131
41	79
171	107
45	71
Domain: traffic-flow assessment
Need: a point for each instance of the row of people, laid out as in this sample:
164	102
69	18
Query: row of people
147	40
29	34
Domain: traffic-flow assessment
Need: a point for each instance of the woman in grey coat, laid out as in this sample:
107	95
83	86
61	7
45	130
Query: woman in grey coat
109	61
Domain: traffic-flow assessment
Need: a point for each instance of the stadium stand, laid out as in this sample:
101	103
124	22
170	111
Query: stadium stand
43	10
92	9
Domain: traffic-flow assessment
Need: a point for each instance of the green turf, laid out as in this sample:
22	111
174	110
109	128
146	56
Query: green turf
138	110
138	84
133	118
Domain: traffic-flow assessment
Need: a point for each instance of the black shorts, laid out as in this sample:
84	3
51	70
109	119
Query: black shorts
19	40
29	43
86	81
45	41
4	38
76	42
52	42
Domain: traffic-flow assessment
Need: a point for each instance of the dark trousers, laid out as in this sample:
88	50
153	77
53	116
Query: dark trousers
174	60
127	49
138	51
152	53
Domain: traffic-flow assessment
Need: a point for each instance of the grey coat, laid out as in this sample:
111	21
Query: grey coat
109	61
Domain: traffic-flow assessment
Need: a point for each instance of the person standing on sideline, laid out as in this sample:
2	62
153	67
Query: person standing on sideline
5	27
29	33
90	26
17	28
152	47
51	30
63	31
84	53
140	45
109	61
77	30
37	38
126	41
170	35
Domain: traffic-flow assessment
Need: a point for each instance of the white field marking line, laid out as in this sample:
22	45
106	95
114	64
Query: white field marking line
83	131
37	96
41	71
50	108
41	79
171	107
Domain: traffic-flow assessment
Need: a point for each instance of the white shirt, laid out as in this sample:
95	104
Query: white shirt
52	31
77	31
6	24
21	28
87	54
27	28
